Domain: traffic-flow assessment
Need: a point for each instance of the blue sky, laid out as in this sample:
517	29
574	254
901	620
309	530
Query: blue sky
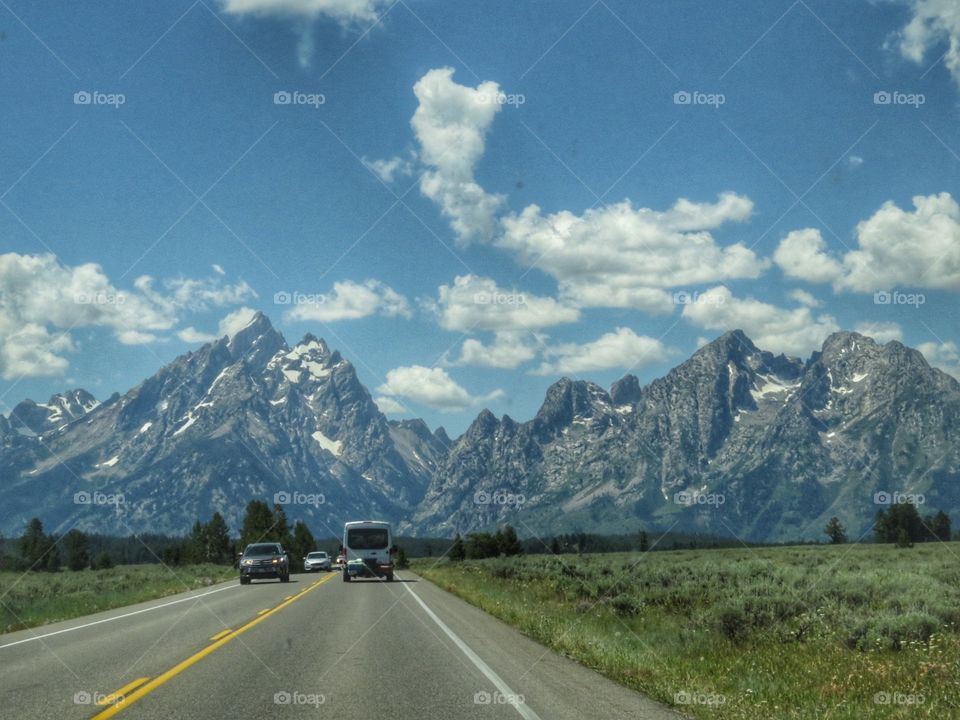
473	199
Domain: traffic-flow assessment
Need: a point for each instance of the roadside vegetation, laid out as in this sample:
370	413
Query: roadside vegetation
839	631
36	598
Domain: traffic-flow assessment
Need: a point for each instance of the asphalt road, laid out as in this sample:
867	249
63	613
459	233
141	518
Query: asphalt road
314	647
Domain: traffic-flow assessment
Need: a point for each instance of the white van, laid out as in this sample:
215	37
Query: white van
369	550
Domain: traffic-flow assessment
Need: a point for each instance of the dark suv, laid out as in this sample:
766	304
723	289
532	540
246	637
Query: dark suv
264	560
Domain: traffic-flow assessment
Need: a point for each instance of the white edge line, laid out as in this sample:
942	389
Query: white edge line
504	689
116	617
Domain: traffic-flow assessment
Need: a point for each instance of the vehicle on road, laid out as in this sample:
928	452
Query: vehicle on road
261	561
368	550
317	560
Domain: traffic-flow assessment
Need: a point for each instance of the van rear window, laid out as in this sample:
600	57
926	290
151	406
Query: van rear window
367	538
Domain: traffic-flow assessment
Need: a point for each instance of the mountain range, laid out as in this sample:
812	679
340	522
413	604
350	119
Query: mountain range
733	441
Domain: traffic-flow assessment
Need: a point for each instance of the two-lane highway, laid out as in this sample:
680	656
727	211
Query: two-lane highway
314	646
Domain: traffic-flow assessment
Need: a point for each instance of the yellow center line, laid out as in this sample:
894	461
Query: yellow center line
118	695
220	634
261	612
200	655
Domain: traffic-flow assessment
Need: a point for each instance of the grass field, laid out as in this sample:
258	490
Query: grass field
36	598
844	632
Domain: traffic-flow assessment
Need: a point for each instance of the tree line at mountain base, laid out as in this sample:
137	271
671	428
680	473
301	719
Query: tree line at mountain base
211	542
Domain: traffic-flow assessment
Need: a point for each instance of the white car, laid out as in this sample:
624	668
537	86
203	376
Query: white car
318	560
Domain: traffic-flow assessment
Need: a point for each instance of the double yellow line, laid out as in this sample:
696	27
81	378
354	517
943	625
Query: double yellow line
125	701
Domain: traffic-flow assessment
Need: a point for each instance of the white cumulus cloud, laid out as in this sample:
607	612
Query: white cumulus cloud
622	256
351	300
945	356
934	25
508	350
42	301
794	331
620	349
882	332
432	387
478	303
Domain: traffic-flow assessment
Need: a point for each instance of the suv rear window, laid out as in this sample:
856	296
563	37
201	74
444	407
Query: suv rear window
367	538
262	550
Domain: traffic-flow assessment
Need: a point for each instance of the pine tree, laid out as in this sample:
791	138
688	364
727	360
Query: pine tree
34	545
457	551
555	546
644	541
258	524
76	550
508	543
835	531
218	546
303	542
941	526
